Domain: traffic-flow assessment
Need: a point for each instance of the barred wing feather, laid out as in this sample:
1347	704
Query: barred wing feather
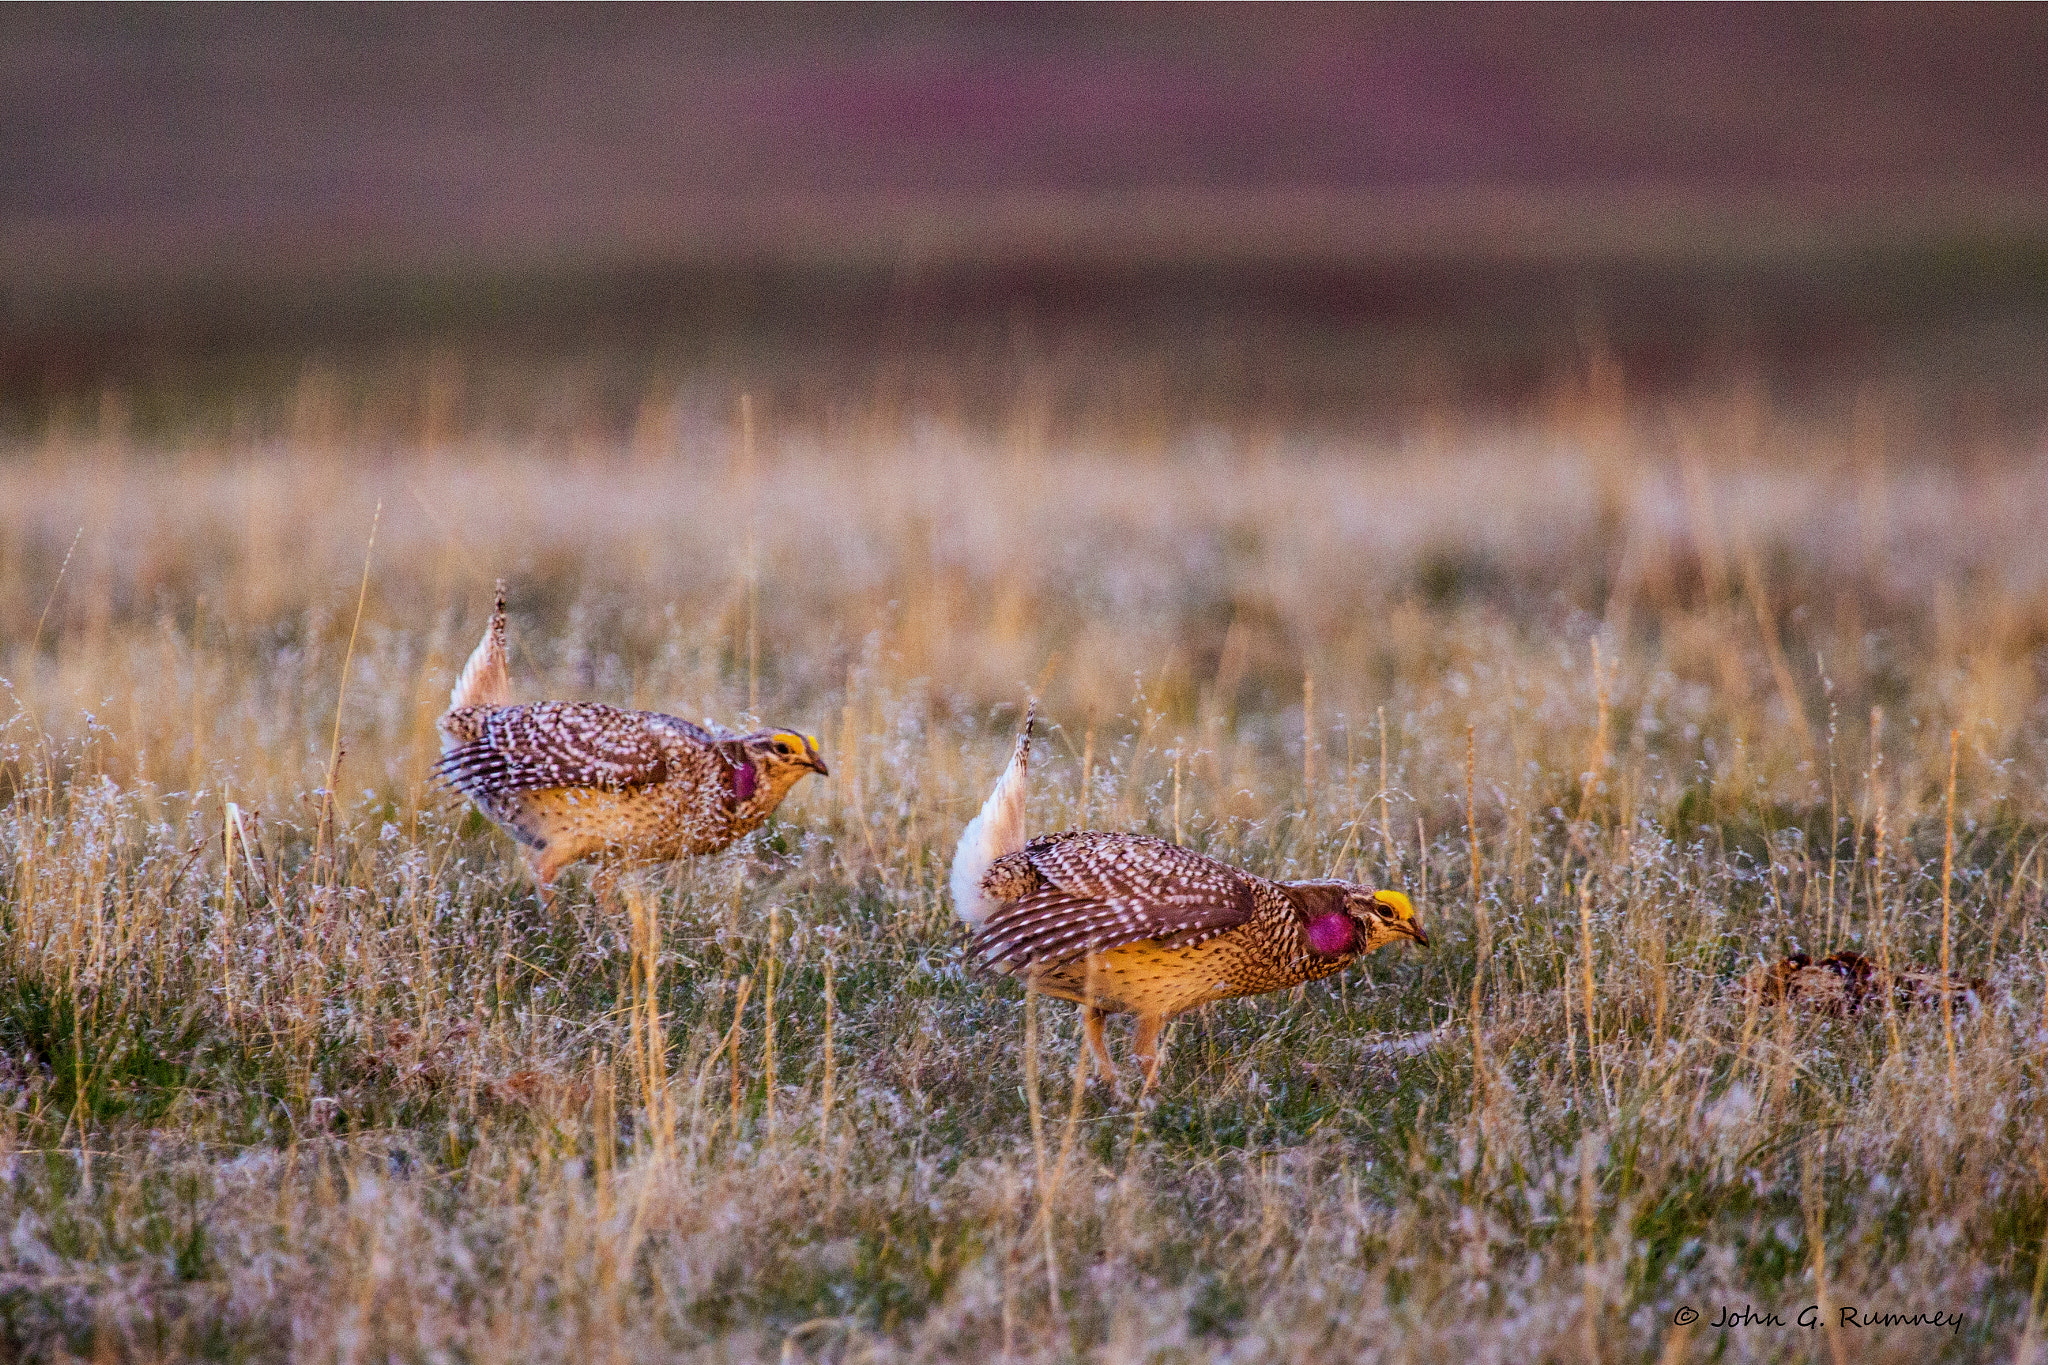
1103	891
556	744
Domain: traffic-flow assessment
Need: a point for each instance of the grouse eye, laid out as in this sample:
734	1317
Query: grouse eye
782	747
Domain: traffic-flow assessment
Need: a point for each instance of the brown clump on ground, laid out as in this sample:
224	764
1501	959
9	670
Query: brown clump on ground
1847	983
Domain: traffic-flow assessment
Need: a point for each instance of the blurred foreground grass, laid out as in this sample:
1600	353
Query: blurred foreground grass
293	1062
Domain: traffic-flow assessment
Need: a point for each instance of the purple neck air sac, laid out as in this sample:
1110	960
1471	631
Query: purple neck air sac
1332	933
743	782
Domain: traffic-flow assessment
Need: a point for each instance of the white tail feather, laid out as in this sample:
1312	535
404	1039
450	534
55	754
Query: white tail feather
998	830
486	679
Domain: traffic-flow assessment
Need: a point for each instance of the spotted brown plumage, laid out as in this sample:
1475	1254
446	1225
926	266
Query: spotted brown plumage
1126	923
580	780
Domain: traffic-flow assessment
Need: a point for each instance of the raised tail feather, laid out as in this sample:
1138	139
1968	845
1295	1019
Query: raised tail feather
485	679
998	830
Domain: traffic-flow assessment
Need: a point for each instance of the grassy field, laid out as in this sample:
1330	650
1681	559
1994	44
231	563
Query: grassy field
1629	695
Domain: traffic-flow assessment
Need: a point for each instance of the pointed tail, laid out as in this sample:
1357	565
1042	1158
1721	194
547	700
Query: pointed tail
998	830
485	679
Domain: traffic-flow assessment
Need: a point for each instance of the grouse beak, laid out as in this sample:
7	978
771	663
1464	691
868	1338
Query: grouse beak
818	766
1413	930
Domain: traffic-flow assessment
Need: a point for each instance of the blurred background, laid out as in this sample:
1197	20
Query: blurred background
560	219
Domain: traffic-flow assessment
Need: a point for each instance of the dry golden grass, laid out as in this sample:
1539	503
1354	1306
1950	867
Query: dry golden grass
293	1063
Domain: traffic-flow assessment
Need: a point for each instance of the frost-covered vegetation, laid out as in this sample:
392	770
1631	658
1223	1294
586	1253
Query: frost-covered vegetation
1629	699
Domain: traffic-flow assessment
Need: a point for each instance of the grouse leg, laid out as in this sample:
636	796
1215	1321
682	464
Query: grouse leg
1145	1047
1091	1024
